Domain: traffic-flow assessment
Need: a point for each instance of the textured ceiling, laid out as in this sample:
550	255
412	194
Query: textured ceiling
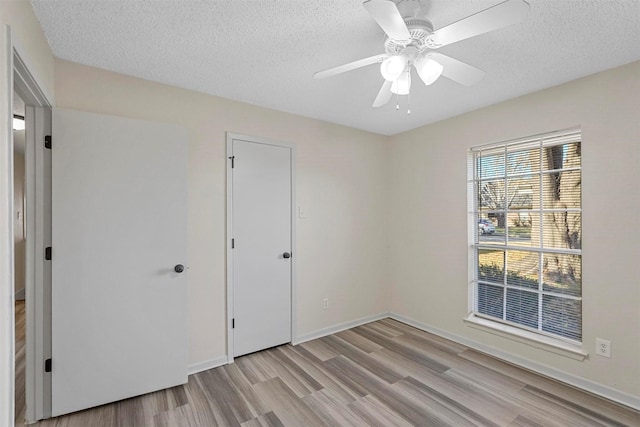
265	52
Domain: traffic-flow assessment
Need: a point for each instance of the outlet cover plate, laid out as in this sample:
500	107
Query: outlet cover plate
603	347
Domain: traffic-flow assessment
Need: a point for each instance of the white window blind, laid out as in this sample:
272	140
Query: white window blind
526	210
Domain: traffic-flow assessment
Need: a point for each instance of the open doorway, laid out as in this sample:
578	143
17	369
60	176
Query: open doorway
19	244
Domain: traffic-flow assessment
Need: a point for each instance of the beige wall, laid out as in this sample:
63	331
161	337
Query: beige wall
429	217
18	217
29	41
341	180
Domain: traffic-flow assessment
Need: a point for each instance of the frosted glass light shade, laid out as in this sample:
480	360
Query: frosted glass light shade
428	69
392	67
402	85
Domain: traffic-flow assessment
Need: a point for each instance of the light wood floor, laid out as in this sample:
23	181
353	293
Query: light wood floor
381	374
20	320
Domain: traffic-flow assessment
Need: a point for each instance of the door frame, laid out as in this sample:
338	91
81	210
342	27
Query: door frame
15	75
229	231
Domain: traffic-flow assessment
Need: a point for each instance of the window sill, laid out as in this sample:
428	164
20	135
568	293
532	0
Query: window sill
532	339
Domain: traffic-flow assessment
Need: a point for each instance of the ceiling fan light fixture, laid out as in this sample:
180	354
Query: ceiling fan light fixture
393	67
428	69
402	85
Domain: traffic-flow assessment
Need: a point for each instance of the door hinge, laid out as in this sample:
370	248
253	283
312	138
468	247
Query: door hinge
233	243
233	323
47	253
47	365
47	141
233	161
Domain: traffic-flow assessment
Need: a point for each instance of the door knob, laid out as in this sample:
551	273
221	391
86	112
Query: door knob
286	255
178	268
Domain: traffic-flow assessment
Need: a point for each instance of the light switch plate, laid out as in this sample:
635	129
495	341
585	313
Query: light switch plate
302	212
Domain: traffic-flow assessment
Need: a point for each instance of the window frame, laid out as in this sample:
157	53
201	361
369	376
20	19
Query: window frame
502	325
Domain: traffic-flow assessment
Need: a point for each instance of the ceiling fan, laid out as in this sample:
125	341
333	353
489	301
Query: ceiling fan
411	41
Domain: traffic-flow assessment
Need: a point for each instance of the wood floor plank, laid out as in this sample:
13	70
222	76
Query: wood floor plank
475	398
256	367
376	414
245	389
200	403
355	378
407	330
289	409
319	349
227	400
316	369
20	348
373	366
384	373
565	410
299	381
488	379
619	413
402	350
522	421
409	408
267	420
454	411
332	411
135	411
181	416
102	416
359	341
385	329
427	343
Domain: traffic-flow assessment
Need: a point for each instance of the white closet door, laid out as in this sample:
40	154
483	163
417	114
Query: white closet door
262	245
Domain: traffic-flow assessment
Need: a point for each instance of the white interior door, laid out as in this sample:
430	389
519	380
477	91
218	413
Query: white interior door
119	204
262	193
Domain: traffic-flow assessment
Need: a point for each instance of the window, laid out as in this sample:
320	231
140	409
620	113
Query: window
526	215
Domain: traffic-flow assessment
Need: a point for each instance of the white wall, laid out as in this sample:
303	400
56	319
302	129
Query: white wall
341	181
429	218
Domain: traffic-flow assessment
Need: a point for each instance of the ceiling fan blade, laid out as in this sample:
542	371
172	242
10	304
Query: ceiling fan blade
493	18
350	66
384	95
387	15
458	71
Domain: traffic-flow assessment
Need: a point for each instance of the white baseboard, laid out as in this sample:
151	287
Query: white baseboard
206	365
584	384
338	328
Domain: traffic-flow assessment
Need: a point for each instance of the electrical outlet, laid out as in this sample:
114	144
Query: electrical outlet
325	303
603	347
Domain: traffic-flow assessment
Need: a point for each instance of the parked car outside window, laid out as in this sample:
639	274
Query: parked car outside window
486	227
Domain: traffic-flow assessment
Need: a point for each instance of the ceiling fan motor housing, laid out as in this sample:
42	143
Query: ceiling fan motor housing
419	29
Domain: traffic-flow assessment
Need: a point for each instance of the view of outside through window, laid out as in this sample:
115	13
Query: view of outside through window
528	210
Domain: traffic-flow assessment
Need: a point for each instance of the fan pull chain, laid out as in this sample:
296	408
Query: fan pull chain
408	104
397	102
